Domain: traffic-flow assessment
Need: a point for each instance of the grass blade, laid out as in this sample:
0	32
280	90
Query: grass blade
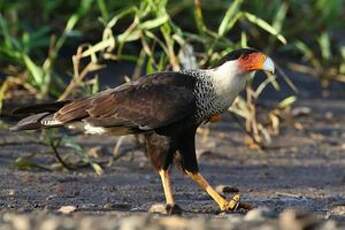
150	24
265	26
228	20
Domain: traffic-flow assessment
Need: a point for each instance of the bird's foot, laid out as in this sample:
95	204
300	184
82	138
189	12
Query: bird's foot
166	209
232	204
173	209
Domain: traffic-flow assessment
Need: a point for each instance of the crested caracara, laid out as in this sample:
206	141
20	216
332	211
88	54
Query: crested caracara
166	107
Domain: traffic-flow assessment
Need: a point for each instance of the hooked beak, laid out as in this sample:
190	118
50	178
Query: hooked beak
268	65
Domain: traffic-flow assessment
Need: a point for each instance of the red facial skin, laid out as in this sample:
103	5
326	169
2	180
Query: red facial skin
252	62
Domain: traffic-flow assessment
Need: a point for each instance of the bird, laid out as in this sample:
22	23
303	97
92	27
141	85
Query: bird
166	108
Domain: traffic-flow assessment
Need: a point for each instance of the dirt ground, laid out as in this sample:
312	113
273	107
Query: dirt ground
302	171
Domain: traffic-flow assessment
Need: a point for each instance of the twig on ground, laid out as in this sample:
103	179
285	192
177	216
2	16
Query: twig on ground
54	147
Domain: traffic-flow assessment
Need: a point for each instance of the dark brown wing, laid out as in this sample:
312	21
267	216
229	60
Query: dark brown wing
151	102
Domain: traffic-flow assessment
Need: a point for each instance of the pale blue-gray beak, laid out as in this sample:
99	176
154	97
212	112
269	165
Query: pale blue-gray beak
268	65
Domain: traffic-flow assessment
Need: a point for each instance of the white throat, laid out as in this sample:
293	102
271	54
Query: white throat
228	81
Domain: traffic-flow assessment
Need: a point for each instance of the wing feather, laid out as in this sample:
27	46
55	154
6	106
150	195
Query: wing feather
148	103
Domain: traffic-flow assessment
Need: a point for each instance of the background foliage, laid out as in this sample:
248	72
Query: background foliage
53	49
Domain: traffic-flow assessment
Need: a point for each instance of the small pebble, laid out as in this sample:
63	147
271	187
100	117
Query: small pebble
343	146
49	224
158	208
259	214
133	222
11	192
338	210
292	219
67	209
329	115
19	222
329	225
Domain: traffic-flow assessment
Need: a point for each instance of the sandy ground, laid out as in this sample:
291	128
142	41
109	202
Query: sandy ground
304	170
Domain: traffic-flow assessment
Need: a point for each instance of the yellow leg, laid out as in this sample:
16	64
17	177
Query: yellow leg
224	204
165	177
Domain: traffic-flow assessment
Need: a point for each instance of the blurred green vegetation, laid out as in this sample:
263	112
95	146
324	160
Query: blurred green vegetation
32	33
42	41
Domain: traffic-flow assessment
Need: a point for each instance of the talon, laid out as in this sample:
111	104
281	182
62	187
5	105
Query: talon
173	209
234	203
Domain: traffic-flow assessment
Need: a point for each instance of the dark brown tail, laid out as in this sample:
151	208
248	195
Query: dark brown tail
40	108
38	116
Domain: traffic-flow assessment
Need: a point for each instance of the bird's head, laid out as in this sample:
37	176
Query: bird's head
228	77
247	60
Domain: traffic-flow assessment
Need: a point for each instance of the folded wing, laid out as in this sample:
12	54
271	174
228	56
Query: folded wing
151	102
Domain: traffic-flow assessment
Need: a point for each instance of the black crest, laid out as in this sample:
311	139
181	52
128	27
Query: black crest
236	54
